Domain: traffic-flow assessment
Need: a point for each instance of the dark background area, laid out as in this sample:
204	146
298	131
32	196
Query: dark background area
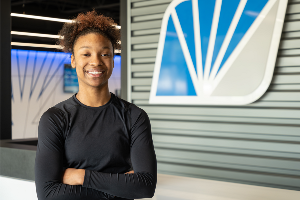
64	9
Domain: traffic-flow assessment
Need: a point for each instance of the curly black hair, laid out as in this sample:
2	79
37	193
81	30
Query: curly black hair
85	23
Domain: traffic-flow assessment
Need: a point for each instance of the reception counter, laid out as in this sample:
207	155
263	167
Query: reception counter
17	158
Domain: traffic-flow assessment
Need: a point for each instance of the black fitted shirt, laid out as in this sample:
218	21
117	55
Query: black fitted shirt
106	141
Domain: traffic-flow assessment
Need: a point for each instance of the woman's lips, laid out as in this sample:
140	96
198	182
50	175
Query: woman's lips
94	73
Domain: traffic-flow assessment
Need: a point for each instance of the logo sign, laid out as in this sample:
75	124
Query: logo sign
217	51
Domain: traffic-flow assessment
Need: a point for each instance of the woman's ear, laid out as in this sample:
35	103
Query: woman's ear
73	61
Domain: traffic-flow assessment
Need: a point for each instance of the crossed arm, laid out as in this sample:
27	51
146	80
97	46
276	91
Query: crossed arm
73	176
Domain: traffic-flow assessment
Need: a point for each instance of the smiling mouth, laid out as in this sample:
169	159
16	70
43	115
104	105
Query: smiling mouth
94	72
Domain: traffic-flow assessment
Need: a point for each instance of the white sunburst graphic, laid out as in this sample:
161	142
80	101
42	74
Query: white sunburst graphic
217	52
37	79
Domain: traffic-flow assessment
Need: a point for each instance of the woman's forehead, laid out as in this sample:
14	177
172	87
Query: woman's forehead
93	40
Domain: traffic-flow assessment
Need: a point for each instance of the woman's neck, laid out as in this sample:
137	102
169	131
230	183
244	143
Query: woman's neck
93	97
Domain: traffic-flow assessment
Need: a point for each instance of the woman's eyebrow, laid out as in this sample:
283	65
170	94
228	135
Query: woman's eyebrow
88	47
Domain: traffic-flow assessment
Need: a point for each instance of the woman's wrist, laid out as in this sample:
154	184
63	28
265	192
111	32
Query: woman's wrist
80	174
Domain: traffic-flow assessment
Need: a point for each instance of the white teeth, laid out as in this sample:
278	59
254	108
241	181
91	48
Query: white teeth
95	72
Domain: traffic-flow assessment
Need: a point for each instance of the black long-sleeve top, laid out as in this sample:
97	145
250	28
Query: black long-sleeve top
106	141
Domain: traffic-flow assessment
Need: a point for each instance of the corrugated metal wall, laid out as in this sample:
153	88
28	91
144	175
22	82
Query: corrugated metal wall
254	144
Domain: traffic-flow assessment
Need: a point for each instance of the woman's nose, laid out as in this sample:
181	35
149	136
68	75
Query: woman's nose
96	61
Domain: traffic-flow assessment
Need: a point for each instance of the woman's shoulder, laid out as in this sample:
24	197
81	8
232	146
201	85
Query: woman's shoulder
126	105
60	110
134	111
67	104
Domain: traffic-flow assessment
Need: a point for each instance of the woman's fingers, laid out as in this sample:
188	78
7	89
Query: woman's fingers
130	172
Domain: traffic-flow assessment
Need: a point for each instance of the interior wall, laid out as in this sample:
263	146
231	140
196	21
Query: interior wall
253	144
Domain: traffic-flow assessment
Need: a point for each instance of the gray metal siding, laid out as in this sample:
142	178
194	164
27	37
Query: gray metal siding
255	144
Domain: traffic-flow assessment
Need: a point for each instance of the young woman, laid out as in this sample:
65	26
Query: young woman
94	145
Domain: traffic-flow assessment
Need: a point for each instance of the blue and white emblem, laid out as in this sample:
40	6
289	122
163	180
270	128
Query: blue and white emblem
217	51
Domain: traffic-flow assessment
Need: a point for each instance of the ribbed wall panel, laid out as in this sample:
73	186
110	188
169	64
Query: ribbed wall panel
255	144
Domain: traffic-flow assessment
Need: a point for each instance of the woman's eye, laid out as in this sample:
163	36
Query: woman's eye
105	55
86	54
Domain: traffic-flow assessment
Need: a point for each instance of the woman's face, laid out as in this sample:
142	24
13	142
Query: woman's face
94	60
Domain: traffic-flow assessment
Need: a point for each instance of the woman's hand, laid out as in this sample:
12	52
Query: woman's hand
130	172
73	176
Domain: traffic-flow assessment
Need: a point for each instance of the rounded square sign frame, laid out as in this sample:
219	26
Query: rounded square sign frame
206	82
